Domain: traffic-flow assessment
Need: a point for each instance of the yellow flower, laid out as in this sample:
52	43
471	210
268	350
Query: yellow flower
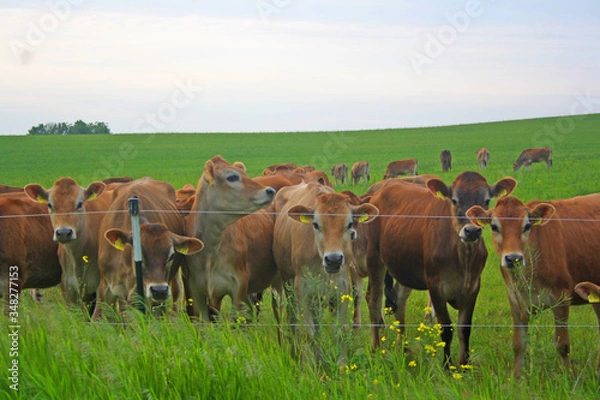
383	338
466	366
241	320
375	382
440	344
347	297
412	363
383	351
456	375
452	368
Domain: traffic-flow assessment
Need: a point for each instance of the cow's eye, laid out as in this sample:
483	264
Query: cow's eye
454	202
233	178
495	228
352	234
527	227
80	205
316	226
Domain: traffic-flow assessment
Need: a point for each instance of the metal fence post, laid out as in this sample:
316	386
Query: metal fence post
134	212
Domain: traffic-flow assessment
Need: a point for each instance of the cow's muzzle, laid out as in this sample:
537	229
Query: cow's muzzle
333	262
159	292
470	233
64	234
513	260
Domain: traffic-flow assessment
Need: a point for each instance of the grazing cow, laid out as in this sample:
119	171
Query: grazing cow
313	230
430	246
28	255
416	179
483	158
401	167
224	194
530	156
340	173
360	169
162	241
545	248
279	168
76	213
446	160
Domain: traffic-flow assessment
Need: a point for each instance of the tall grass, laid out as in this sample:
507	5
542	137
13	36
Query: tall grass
61	356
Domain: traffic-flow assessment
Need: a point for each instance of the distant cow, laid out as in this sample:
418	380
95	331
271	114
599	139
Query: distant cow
76	213
360	169
279	168
401	167
530	156
545	248
446	160
340	173
313	231
483	158
28	255
10	189
436	249
162	241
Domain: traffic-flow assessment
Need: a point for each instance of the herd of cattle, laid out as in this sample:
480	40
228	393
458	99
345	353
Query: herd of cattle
290	231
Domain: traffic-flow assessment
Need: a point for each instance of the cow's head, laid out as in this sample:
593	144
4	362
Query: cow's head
160	248
231	189
467	190
66	204
334	220
511	221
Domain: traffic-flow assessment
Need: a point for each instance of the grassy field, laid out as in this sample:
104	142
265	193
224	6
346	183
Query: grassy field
60	356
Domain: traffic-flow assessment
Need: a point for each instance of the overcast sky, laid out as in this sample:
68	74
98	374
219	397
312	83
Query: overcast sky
294	65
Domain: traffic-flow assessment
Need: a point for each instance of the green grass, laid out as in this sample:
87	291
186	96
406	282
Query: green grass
60	356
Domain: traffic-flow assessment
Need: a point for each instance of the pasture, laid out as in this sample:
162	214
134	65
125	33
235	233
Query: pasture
60	356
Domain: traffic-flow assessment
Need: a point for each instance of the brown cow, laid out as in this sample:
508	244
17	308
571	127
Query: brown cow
530	156
360	169
311	245
401	167
76	213
545	248
279	168
28	255
340	173
163	246
446	160
483	158
10	189
444	255
223	195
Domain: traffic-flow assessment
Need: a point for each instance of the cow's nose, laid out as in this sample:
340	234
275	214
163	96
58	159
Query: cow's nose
64	234
333	262
159	292
270	191
472	233
513	260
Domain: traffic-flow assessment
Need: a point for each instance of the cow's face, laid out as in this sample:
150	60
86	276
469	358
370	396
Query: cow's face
66	204
160	251
469	189
232	189
511	222
334	221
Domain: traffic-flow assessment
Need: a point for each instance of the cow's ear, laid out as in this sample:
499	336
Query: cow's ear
187	245
36	193
209	172
94	190
118	238
240	165
541	213
365	213
588	291
302	214
439	188
478	216
354	200
503	187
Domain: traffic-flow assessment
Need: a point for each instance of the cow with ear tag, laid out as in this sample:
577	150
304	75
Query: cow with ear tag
545	249
425	241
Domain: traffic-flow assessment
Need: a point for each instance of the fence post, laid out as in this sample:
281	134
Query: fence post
134	212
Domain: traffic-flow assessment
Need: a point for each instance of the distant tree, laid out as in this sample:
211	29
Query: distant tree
79	128
37	130
62	128
99	128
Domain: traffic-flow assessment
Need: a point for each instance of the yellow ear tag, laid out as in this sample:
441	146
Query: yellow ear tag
40	199
92	196
480	223
502	193
119	245
363	218
304	219
593	298
182	249
440	195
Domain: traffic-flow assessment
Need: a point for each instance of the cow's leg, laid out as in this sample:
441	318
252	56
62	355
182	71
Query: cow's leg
402	295
196	297
520	317
357	295
465	320
293	310
443	317
561	335
376	273
596	307
277	304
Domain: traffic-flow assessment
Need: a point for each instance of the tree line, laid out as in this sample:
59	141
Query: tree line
77	128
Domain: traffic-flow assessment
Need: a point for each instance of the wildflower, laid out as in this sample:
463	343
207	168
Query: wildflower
347	297
452	368
422	327
383	338
456	375
428	310
375	382
466	366
412	363
383	351
241	320
440	344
